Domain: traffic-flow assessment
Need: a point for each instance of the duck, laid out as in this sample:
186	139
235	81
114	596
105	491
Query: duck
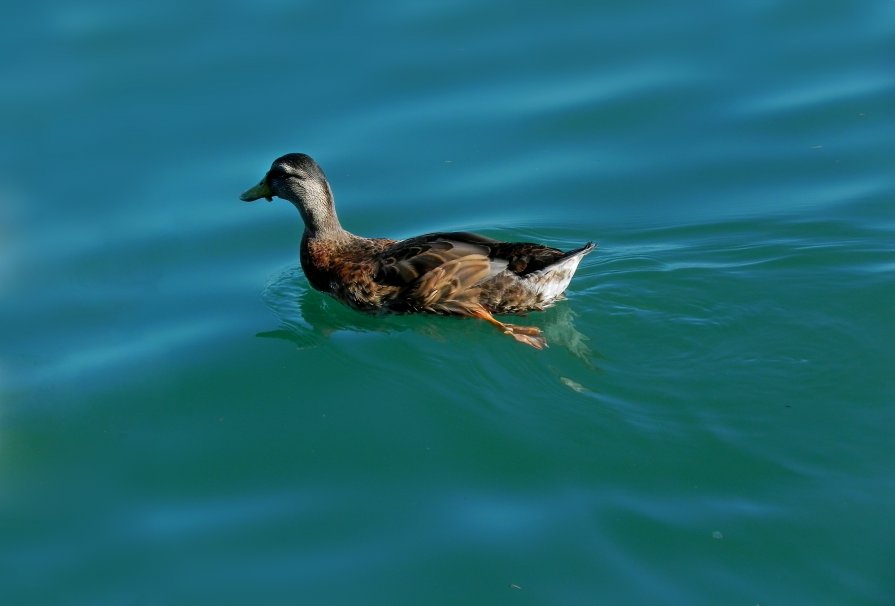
444	273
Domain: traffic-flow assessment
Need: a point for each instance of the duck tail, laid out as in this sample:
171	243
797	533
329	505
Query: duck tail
552	281
587	248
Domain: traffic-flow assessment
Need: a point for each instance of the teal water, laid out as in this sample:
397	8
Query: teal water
182	421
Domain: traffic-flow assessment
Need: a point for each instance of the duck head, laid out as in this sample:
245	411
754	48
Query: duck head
298	179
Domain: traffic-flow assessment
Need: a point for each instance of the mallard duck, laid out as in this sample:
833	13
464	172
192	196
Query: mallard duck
448	273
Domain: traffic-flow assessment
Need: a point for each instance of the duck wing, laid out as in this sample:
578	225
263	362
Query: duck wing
450	272
406	261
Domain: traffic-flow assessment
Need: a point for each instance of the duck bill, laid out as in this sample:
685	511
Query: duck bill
262	190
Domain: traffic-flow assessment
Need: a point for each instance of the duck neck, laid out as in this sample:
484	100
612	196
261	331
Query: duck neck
322	224
318	211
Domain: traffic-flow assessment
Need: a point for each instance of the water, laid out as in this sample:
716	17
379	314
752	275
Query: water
182	421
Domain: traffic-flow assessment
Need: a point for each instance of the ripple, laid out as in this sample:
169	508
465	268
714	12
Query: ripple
803	96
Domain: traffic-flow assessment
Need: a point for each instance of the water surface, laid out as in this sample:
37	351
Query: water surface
183	421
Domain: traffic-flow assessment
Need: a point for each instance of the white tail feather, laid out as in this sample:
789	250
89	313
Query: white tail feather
550	282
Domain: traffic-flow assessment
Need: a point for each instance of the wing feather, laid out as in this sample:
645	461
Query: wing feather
452	286
409	260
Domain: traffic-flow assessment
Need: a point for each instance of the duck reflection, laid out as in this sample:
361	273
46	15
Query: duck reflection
308	318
